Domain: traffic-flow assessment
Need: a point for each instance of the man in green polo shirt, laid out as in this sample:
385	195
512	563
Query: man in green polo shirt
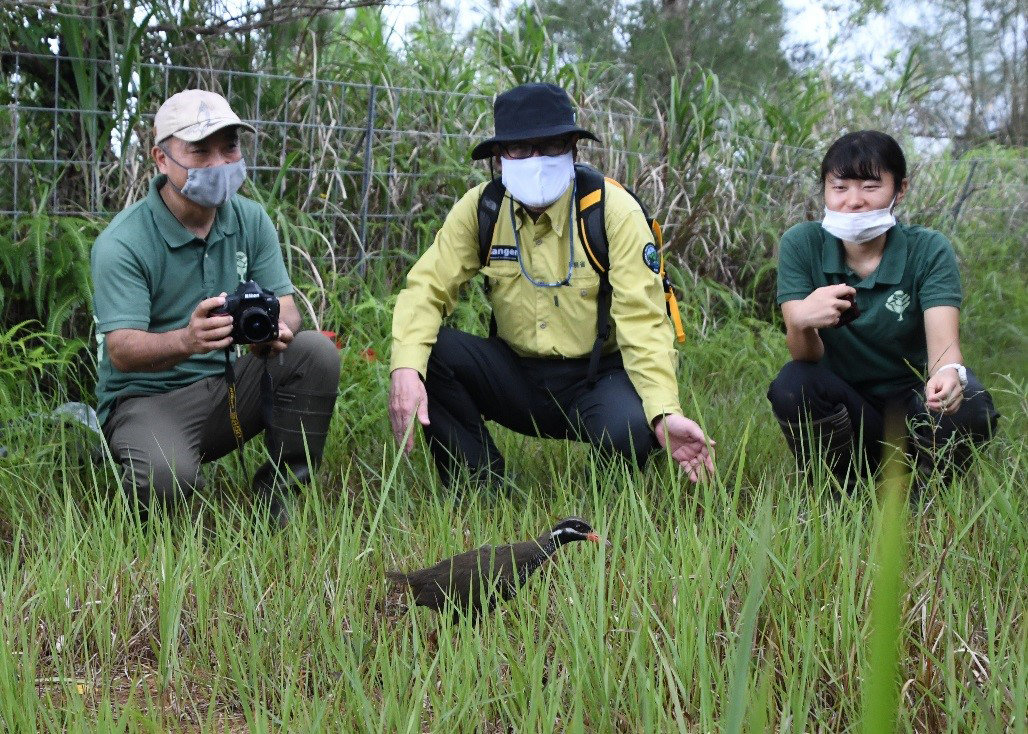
159	270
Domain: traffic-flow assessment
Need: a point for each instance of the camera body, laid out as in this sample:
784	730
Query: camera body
851	313
254	312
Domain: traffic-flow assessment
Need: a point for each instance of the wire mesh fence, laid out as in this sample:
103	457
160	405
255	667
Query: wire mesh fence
375	168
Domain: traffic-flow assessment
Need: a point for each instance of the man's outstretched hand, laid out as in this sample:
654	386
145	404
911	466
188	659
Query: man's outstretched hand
693	451
407	399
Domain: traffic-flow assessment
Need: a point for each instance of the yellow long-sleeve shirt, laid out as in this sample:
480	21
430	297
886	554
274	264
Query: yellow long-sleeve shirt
546	322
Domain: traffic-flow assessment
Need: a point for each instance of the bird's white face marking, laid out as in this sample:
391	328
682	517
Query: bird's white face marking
566	533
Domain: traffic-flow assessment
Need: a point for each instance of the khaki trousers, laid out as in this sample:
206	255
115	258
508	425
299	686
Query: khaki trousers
161	440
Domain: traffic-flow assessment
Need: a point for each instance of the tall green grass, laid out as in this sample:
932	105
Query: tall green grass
753	602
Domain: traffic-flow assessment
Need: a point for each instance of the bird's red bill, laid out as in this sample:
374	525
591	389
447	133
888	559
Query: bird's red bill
594	537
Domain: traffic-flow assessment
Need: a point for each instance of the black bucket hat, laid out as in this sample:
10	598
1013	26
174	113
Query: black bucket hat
531	111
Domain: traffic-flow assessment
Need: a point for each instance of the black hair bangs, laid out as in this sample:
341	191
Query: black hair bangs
856	167
864	155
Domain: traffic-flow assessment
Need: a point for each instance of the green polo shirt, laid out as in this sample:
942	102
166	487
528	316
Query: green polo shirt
884	350
149	273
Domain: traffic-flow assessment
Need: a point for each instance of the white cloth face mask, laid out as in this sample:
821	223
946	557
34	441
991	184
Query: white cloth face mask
859	227
540	180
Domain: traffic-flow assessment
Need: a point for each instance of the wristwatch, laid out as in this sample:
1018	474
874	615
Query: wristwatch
961	372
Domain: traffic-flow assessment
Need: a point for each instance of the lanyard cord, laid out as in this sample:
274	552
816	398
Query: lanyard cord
571	245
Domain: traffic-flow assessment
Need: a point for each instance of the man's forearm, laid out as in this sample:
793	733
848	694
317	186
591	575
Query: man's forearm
132	350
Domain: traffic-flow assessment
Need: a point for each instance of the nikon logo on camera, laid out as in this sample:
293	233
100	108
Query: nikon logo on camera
254	312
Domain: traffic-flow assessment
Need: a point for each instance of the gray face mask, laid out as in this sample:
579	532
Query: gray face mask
213	186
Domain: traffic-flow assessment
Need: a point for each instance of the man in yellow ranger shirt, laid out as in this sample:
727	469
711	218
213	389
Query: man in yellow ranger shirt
530	374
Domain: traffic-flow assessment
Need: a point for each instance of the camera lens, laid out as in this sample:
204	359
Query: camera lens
256	325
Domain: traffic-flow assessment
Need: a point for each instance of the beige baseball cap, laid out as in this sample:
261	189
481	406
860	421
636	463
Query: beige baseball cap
194	114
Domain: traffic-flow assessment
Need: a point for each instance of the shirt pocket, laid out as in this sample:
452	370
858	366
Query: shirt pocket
577	310
502	283
501	269
585	281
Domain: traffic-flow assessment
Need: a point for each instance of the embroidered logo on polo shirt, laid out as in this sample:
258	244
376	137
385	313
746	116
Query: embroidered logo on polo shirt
898	302
503	252
242	261
99	341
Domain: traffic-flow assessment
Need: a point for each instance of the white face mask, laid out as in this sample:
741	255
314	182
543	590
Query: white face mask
859	227
540	180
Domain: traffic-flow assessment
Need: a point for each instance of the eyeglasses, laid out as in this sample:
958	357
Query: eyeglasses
521	149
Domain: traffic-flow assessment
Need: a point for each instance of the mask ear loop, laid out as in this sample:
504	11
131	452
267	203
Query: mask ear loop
184	168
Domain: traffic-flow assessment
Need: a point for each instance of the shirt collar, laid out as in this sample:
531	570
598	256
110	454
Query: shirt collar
894	257
889	270
557	212
171	229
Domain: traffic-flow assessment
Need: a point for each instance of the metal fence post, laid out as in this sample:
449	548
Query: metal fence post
366	185
17	137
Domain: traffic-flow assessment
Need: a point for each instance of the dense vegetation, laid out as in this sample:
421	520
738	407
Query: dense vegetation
750	602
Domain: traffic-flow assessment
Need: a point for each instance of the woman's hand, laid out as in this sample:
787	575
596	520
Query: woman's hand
943	392
823	308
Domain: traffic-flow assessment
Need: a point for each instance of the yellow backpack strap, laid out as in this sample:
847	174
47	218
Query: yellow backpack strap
614	182
676	315
593	230
591	227
669	292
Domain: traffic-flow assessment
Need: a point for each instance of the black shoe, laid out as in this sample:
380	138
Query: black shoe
274	490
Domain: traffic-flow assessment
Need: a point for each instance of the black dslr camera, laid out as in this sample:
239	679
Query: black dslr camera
851	313
254	312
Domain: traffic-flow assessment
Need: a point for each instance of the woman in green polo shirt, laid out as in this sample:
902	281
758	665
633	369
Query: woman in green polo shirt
872	312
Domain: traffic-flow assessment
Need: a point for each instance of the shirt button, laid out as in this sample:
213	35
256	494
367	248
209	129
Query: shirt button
539	242
583	293
542	324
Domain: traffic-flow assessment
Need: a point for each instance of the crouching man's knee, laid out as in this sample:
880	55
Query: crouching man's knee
164	479
319	358
631	440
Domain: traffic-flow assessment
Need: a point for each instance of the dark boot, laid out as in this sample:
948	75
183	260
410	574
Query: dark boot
299	427
829	438
930	458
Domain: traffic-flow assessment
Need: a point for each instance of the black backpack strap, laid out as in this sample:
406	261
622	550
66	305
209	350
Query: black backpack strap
488	213
592	230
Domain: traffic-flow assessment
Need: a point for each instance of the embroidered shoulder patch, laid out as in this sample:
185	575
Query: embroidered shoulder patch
651	257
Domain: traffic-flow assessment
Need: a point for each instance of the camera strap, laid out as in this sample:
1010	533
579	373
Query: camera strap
233	405
267	399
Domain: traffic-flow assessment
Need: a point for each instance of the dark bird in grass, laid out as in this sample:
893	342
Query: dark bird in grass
475	581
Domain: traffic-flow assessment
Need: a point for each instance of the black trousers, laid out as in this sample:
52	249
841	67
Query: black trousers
471	380
805	391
